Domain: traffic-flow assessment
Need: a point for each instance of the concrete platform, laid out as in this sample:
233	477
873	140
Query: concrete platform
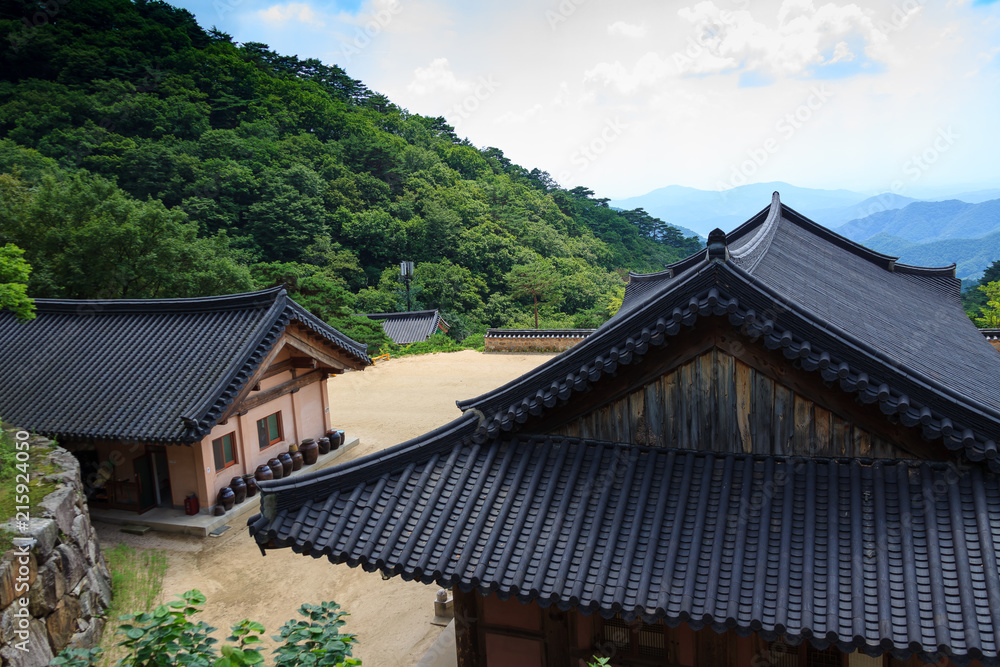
442	651
170	520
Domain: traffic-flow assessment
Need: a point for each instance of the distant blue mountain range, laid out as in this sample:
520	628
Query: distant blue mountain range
963	229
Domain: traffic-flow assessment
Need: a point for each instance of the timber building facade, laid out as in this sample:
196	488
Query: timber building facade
162	399
782	450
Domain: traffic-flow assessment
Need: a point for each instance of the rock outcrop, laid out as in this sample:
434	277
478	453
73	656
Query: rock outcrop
54	583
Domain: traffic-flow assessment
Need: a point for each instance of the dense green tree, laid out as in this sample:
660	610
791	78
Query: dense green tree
86	239
141	155
14	273
537	279
989	313
974	299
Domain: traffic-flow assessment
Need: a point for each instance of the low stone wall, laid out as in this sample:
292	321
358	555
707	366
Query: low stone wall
534	340
54	583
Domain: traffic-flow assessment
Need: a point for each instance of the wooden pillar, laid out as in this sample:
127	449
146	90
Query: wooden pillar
205	498
325	396
685	648
467	641
247	460
294	415
555	625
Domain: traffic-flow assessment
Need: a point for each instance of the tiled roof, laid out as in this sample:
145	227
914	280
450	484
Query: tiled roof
888	333
991	334
155	370
411	327
539	333
871	555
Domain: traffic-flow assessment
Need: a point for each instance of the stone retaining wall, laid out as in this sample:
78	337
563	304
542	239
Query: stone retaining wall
68	583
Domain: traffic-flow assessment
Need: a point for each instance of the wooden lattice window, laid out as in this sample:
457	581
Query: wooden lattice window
638	640
805	654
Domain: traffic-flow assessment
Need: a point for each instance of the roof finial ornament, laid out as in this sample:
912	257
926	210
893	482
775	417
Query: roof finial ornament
717	250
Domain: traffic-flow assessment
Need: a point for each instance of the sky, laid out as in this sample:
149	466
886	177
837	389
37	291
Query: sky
627	96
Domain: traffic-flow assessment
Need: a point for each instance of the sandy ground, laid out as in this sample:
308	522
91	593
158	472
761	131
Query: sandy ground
386	404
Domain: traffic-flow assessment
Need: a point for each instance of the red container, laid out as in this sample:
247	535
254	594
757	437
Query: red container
191	506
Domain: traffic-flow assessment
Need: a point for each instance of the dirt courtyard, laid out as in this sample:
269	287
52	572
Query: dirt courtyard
386	404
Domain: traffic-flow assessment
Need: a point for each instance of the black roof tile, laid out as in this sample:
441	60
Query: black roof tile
865	554
158	370
409	327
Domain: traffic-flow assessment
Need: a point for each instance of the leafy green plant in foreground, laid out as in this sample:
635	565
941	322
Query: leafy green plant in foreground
168	636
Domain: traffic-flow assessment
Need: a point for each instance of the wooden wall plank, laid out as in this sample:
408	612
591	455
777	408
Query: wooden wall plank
726	436
706	406
641	433
687	400
862	442
653	396
840	435
716	401
802	426
784	420
671	403
744	406
763	414
821	432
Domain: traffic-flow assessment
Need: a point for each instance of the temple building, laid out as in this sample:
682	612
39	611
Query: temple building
782	450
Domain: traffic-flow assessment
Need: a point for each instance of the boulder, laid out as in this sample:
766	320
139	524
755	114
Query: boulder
45	532
73	566
61	506
47	592
38	653
89	634
61	623
100	583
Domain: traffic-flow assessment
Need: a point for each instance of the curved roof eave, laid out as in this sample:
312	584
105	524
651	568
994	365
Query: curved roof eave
724	289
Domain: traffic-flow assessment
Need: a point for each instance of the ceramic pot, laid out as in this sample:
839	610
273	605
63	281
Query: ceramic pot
251	484
277	469
323	445
310	451
297	460
263	473
239	488
226	498
286	464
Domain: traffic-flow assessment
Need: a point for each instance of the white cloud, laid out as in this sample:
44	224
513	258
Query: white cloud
293	11
622	29
796	42
841	52
437	77
649	70
513	117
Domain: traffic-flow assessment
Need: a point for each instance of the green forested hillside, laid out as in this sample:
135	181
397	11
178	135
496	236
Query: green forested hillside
142	156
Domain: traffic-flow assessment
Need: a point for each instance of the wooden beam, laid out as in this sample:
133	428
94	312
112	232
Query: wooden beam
277	369
467	644
303	362
296	340
280	390
254	380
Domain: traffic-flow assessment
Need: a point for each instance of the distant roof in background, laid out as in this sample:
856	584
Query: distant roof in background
157	370
991	334
539	333
411	327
